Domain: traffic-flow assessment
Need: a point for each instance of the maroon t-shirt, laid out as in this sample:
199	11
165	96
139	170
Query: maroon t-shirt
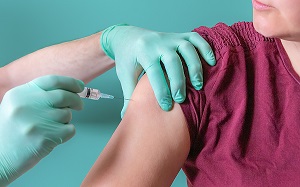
245	123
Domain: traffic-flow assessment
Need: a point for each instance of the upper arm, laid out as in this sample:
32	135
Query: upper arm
148	148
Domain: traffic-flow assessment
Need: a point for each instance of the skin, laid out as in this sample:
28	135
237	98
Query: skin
149	150
82	59
85	59
152	154
281	20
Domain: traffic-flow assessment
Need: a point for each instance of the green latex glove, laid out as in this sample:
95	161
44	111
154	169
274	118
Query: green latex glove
34	118
136	50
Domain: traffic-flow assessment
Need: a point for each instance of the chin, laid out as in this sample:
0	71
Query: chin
270	32
267	34
264	29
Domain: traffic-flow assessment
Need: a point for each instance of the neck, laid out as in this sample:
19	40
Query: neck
292	49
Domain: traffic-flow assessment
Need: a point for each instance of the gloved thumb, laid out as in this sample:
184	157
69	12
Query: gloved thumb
126	102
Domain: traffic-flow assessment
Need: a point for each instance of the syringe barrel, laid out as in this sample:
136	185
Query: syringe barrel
90	93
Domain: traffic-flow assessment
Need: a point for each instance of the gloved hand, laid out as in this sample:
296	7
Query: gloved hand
135	49
34	118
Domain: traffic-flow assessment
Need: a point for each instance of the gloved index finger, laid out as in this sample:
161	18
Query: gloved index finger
53	82
160	86
64	99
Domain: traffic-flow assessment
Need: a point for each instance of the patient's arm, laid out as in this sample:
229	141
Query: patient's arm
148	148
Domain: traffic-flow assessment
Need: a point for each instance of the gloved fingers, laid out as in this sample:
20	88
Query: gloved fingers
59	115
192	60
174	70
160	86
203	47
64	99
126	102
67	132
59	133
128	83
53	82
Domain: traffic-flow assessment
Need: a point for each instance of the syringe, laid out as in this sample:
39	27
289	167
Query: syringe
92	93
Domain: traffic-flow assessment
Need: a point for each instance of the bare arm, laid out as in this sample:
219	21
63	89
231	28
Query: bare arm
82	59
148	148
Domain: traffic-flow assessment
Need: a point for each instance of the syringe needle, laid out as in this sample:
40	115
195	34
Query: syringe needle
122	98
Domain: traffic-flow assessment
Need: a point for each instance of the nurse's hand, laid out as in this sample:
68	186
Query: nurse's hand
34	118
135	49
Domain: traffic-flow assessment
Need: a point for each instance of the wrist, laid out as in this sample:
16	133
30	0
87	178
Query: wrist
5	82
107	38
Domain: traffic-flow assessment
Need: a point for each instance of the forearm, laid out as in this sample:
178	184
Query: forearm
82	59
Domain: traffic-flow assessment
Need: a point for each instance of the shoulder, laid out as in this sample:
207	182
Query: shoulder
240	34
236	48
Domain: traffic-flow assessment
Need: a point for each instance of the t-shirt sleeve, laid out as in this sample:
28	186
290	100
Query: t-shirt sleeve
224	40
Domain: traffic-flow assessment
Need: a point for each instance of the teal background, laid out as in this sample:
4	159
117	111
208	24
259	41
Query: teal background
26	26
